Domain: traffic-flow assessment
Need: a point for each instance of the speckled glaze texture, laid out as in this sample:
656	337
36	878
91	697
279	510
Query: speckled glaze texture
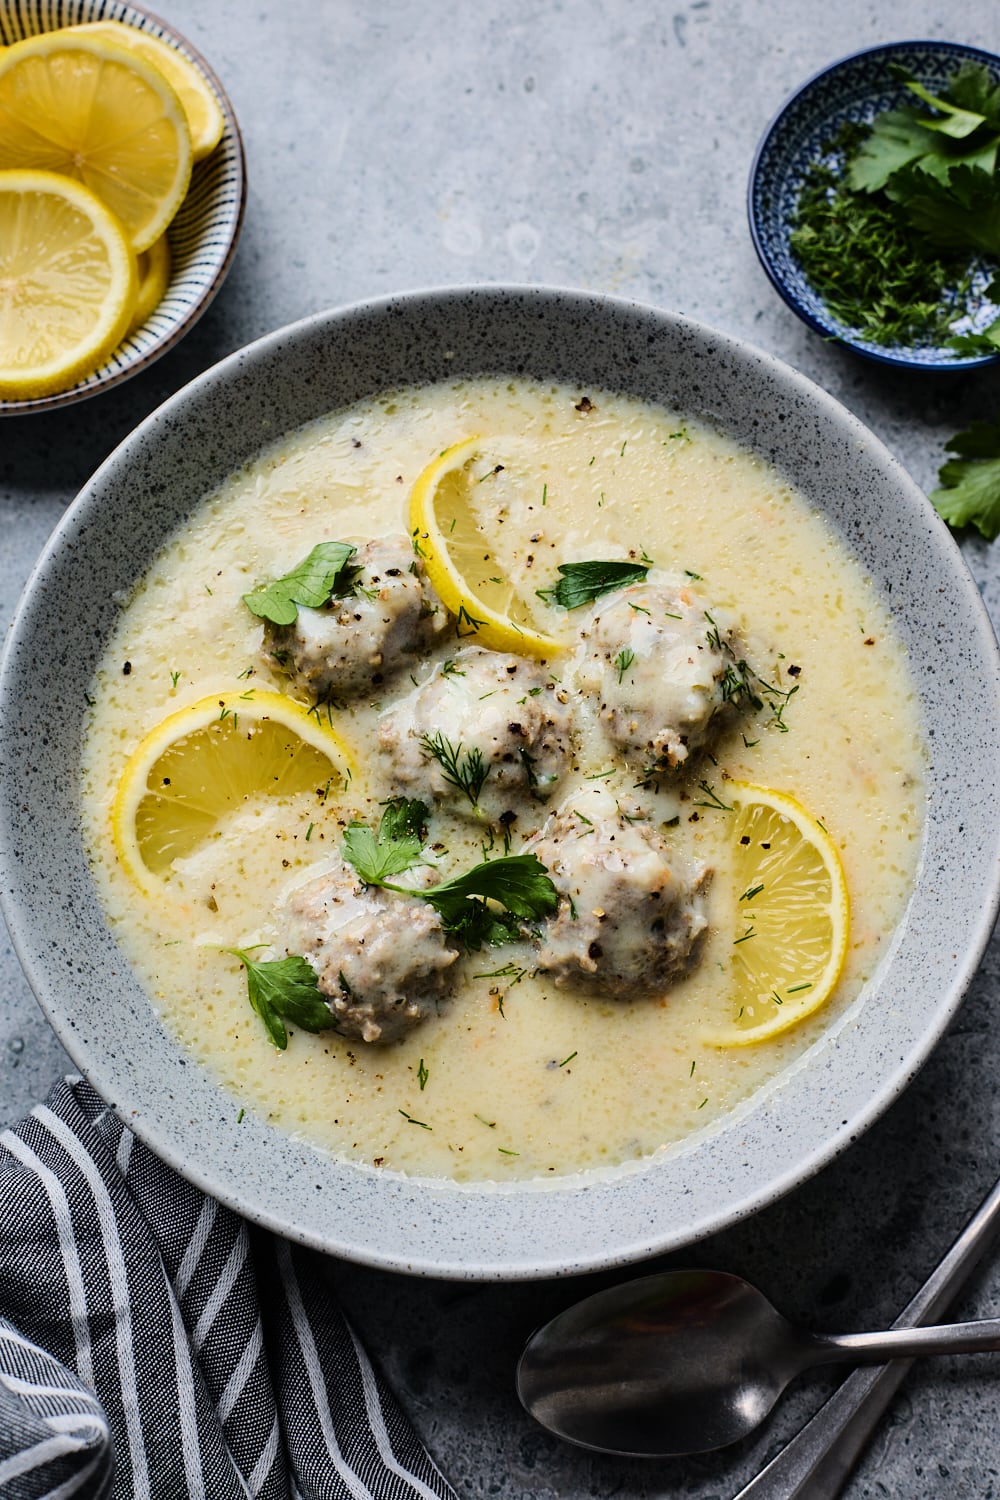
205	229
781	1135
855	90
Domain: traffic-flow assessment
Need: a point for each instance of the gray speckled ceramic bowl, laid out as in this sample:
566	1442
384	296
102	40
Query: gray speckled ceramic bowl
787	1130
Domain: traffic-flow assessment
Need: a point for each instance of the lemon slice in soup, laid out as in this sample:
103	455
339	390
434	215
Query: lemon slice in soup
449	519
791	929
209	759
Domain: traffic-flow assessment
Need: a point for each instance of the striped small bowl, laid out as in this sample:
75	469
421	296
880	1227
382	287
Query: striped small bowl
203	234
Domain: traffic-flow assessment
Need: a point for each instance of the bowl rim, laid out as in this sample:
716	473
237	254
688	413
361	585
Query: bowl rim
900	361
231	129
431	1194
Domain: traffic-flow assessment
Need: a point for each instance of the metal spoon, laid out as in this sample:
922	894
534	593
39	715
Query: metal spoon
687	1361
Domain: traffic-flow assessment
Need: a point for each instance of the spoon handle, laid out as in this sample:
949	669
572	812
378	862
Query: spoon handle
817	1463
905	1343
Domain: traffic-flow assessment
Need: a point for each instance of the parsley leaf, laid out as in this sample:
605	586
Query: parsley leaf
985	341
951	120
284	987
962	213
973	87
970	484
317	578
896	140
583	582
964	130
395	847
519	884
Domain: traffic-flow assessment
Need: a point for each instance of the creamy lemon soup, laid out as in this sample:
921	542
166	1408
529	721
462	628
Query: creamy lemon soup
569	1046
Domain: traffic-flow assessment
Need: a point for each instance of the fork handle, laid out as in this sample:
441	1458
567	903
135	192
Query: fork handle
818	1461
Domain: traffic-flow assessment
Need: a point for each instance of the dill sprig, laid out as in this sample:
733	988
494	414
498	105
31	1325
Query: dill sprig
623	661
465	770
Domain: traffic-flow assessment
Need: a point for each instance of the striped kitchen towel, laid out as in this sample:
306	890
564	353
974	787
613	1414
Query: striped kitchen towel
155	1346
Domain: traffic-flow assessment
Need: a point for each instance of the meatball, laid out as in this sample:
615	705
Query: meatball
381	959
630	914
352	645
662	667
489	733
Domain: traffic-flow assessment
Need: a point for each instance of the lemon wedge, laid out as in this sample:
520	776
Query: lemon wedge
458	556
210	758
204	116
85	107
67	283
154	277
790	937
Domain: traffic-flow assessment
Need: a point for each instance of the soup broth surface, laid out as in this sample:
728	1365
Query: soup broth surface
516	1078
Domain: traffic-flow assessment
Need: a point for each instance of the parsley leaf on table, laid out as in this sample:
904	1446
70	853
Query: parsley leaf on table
325	572
583	582
284	987
970	484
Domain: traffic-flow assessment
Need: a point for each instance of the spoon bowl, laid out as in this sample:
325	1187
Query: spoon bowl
677	1363
688	1361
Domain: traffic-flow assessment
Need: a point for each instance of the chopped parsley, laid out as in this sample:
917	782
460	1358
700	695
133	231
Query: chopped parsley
892	227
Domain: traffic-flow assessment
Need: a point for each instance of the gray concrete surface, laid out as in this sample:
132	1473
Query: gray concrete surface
602	145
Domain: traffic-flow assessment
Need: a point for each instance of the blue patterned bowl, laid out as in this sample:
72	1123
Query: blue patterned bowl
855	89
203	235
